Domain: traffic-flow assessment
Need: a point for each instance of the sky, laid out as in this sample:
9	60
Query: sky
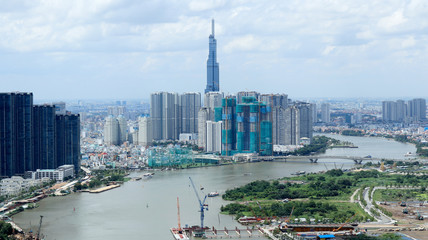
127	49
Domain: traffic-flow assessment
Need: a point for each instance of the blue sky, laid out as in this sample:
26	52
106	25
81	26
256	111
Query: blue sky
122	49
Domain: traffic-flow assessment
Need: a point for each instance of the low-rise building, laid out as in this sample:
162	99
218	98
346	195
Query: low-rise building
15	185
58	174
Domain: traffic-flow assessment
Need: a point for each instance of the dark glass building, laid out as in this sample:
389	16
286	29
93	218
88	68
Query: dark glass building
44	137
68	140
15	133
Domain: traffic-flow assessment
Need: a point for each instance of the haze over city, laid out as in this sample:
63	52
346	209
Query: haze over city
128	49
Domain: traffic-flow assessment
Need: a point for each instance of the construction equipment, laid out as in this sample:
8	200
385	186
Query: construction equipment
178	216
337	229
40	226
202	206
420	217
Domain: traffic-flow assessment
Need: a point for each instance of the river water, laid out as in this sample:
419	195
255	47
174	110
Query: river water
147	209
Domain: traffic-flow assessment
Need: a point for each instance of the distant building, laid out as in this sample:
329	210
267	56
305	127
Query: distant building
242	94
213	83
325	113
59	107
298	120
115	130
416	109
58	174
400	111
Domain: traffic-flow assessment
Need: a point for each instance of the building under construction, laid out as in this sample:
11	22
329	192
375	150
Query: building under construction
247	126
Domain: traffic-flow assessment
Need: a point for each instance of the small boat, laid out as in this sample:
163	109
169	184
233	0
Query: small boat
213	194
148	175
408	154
368	156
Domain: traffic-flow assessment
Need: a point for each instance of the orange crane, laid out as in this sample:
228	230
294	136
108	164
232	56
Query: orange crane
178	216
337	229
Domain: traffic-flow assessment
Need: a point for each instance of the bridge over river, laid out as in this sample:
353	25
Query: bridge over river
315	158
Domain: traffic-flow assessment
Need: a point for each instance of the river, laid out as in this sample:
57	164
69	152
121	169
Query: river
147	209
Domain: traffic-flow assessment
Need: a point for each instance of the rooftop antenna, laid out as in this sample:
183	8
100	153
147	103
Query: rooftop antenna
212	27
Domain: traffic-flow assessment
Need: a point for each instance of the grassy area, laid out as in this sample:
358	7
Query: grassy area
399	194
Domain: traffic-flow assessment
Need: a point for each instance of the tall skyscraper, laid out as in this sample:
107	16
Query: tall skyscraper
298	120
111	131
16	143
213	83
417	109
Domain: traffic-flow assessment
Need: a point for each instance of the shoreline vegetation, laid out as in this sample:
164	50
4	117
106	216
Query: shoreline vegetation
324	197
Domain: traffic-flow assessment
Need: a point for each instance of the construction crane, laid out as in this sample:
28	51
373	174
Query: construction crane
337	229
178	216
40	226
202	204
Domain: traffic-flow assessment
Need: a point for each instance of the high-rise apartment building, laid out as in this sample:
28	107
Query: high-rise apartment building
68	140
145	131
242	94
213	83
202	127
212	100
412	111
165	115
115	130
325	113
417	109
213	136
31	137
190	104
298	119
44	137
16	128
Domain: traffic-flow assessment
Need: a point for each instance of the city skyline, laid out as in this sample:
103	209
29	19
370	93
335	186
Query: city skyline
121	49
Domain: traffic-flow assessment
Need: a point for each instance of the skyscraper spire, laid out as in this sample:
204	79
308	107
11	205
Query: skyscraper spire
213	84
212	27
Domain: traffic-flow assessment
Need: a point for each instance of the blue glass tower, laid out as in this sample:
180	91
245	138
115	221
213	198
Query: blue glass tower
213	84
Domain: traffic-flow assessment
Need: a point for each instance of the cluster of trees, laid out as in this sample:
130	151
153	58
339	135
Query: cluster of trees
5	230
318	186
421	148
322	210
357	133
102	178
318	145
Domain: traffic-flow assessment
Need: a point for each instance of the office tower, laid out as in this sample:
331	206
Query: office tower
298	120
145	131
44	138
165	115
111	131
16	115
68	140
59	107
242	94
213	138
416	109
190	104
314	112
212	100
213	83
325	113
202	127
229	125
